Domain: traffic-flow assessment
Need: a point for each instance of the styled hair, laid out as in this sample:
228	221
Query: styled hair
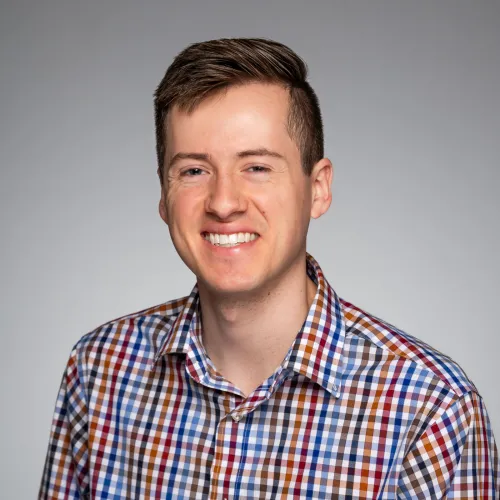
205	68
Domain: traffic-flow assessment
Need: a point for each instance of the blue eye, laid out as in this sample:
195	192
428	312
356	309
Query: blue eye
258	168
192	172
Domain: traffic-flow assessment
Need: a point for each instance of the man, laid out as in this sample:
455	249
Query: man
262	383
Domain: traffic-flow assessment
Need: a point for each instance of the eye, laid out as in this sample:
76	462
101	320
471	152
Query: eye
192	172
258	168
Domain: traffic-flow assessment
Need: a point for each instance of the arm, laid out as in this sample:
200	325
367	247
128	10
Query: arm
65	473
456	457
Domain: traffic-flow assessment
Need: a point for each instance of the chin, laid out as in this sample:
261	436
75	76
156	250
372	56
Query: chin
231	284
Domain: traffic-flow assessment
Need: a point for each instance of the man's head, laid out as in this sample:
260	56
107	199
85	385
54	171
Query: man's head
241	167
205	68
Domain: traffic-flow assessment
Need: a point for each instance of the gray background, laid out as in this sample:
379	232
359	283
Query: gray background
410	97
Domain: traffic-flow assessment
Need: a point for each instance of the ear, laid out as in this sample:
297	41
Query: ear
321	186
162	205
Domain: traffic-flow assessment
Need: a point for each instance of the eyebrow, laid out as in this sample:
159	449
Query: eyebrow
188	156
240	154
259	152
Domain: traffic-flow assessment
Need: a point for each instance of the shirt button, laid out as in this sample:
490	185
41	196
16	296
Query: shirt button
236	417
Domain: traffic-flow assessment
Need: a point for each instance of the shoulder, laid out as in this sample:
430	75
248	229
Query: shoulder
136	335
400	346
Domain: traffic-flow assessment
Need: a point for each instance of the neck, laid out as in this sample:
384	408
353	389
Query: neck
247	338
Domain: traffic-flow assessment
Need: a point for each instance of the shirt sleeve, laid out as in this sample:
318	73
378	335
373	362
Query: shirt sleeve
456	457
65	474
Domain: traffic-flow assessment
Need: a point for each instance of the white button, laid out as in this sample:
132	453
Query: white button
236	418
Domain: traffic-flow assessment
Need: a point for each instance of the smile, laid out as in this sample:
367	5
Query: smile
229	240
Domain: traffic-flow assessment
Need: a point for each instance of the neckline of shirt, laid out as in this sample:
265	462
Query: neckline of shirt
316	352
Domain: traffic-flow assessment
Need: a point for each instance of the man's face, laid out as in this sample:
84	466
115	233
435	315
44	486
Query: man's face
235	197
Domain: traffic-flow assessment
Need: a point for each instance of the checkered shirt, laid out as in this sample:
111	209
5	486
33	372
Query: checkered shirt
357	409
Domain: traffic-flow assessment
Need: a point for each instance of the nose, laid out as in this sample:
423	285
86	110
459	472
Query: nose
224	198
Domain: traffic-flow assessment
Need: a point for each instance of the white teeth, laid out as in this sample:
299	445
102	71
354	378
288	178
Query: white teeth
229	240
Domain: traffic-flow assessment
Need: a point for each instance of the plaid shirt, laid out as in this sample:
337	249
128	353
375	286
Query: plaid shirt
357	409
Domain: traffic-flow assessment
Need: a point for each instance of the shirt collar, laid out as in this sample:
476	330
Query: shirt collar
316	352
180	333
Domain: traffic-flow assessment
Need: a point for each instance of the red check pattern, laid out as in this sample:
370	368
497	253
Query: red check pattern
357	409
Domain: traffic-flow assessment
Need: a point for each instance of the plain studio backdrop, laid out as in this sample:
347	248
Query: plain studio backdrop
410	97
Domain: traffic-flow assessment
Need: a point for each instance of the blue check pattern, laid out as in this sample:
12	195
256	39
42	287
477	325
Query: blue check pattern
358	409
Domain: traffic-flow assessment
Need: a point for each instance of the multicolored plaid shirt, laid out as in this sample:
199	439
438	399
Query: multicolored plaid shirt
357	409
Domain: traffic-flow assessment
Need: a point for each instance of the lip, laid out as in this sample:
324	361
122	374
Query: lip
226	230
230	251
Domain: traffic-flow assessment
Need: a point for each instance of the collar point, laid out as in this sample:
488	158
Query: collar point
335	389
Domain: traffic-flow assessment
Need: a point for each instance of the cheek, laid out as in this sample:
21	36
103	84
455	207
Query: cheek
182	205
286	212
297	218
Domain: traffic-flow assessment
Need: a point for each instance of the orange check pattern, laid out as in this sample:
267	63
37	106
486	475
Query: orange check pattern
357	409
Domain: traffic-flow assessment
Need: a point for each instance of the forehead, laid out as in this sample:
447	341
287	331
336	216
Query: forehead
238	118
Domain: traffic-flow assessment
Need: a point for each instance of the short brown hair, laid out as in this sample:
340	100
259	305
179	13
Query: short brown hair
208	67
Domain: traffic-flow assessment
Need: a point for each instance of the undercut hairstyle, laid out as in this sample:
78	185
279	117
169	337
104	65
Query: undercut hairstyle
205	68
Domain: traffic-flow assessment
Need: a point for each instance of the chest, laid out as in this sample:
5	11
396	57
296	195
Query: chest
165	439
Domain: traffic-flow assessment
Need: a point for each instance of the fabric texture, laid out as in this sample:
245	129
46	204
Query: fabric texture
357	409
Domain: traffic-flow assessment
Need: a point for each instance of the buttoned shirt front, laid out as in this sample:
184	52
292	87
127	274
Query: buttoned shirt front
357	409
